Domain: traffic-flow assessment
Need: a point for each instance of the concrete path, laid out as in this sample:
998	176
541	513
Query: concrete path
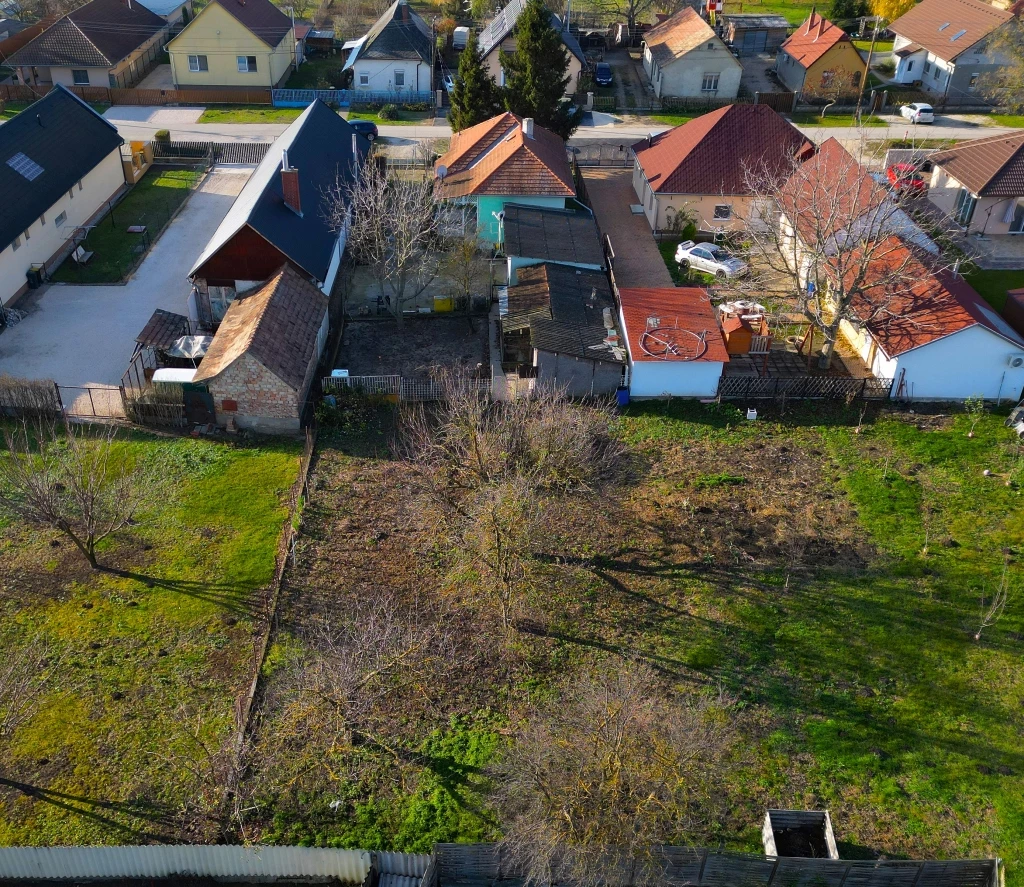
85	335
637	260
154	117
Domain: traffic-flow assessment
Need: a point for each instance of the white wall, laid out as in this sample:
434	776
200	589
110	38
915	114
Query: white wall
336	256
382	75
685	76
45	238
970	363
660	378
517	262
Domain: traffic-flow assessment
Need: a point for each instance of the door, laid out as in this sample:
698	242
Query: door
760	41
749	42
1017	222
198	405
964	210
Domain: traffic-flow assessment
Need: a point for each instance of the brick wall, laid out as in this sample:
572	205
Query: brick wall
262	399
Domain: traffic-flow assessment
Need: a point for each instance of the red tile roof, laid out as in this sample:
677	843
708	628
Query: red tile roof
687	309
710	154
912	306
497	158
948	28
813	39
678	35
992	167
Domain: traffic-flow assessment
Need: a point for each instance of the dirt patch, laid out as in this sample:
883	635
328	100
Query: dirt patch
381	347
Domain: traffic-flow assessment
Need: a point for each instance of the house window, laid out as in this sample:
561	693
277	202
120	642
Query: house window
80	77
964	210
709	83
16	245
723	211
27	236
711	46
247	64
197	63
111	81
399	79
973	81
364	78
910	66
935	73
71	194
60	220
927	67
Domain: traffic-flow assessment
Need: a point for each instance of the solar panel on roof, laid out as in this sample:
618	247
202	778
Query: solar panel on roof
20	163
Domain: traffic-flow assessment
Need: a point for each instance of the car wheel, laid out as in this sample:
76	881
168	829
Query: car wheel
720	274
684	265
370	137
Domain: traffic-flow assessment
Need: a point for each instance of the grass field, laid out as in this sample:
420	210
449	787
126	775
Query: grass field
880	45
1016	120
126	744
831	581
992	285
670	119
248	114
402	117
316	74
814	118
151	202
794	12
12	108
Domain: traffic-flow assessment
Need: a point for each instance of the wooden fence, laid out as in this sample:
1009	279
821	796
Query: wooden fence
18	93
802	388
397	387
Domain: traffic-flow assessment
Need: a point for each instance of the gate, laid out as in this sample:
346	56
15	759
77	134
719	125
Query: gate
92	401
782	102
198	404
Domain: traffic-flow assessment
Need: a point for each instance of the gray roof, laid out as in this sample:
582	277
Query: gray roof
163	329
505	22
36	167
752	20
10	26
555	235
162	7
319	146
398	34
564	310
97	35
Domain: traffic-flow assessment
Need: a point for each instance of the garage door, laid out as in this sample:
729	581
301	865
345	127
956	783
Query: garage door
750	41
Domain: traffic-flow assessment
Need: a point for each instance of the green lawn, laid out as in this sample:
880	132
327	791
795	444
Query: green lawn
814	118
794	12
402	117
880	45
151	202
249	114
12	108
667	248
317	74
992	285
1005	119
669	119
152	658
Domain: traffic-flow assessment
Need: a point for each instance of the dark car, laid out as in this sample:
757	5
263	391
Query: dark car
365	128
603	74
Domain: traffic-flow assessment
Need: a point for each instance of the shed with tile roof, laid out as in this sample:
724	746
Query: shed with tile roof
684	57
820	60
699	168
262	362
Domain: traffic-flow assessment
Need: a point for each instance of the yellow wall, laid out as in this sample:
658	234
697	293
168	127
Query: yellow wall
219	36
492	62
841	57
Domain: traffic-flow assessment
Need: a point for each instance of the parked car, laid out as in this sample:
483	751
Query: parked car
918	112
709	258
905	179
449	81
603	74
365	128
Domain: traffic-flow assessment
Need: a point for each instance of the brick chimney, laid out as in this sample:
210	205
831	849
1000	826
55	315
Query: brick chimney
810	20
528	127
290	185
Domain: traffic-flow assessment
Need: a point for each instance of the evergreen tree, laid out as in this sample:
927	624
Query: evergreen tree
537	73
475	96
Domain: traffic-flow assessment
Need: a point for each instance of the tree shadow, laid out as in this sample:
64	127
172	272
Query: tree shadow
233	597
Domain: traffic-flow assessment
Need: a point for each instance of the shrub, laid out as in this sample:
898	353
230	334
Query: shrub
388	112
162	135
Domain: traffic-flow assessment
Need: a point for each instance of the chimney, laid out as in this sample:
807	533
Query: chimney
810	20
290	185
528	127
821	27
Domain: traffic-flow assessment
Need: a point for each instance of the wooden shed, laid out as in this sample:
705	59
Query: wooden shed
751	33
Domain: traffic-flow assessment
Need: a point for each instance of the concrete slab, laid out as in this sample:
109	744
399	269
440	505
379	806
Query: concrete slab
155	116
159	78
85	335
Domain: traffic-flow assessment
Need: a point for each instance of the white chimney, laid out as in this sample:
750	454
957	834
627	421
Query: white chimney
528	127
355	152
284	161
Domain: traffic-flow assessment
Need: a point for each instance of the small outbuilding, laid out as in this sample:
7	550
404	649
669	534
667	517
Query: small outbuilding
536	234
261	363
674	342
752	33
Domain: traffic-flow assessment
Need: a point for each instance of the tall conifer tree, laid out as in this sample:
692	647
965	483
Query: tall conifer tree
475	96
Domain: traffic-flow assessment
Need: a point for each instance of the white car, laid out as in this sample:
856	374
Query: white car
918	112
449	82
709	258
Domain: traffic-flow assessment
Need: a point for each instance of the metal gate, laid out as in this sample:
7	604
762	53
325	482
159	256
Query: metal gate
93	401
198	404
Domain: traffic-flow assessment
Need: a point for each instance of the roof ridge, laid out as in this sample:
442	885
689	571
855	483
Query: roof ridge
78	27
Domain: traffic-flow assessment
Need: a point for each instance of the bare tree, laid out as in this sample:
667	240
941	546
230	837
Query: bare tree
25	670
462	268
606	773
838	246
1003	83
393	224
70	478
992	609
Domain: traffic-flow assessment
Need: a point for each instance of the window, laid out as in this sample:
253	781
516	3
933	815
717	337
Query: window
927	67
364	78
964	210
247	64
723	211
935	73
80	77
910	66
198	63
71	194
973	81
399	79
710	83
60	220
111	81
16	245
711	46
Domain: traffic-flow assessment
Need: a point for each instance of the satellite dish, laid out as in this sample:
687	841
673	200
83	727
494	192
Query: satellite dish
442	171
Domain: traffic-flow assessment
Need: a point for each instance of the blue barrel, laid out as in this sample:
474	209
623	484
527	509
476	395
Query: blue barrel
622	396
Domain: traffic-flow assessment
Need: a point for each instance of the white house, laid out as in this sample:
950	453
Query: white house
937	339
171	11
674	343
395	55
684	57
49	191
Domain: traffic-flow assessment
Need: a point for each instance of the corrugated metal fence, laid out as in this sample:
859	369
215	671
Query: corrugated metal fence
300	98
250	153
156	861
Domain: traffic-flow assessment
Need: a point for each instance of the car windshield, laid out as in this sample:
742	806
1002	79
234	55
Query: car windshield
719	253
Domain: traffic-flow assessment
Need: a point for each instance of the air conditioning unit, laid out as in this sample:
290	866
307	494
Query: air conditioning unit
1015	361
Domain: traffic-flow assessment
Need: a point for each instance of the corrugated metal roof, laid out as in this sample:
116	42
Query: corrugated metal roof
504	23
558	235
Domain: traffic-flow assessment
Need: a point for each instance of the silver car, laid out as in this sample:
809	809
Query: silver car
709	258
918	112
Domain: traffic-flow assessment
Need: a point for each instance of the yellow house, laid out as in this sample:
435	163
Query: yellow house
819	58
243	43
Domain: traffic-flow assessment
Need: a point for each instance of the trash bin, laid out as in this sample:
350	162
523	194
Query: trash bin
34	275
622	396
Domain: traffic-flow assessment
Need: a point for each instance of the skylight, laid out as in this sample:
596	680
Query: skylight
943	27
26	166
958	35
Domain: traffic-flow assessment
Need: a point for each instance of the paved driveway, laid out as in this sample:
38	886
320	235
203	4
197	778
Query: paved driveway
85	335
637	260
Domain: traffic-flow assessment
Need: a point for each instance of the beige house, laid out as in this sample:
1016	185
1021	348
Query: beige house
499	36
980	184
103	43
234	43
695	172
684	57
819	59
49	192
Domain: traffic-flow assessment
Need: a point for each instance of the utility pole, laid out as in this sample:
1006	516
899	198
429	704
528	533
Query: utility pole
867	70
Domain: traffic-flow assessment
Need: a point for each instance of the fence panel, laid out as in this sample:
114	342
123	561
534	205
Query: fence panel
226	152
414	390
29	398
92	402
603	154
802	388
300	98
783	102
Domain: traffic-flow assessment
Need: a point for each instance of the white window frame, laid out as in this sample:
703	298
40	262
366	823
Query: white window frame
714	78
972	84
397	75
74	78
60	220
364	78
199	60
242	63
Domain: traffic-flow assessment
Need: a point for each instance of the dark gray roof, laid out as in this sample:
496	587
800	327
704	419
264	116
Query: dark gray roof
564	310
398	34
39	138
751	20
261	17
10	26
555	235
505	22
163	329
97	35
319	146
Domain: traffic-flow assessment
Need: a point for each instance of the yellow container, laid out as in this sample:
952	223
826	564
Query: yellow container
443	305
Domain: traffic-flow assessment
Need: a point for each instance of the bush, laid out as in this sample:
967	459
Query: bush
162	135
388	112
